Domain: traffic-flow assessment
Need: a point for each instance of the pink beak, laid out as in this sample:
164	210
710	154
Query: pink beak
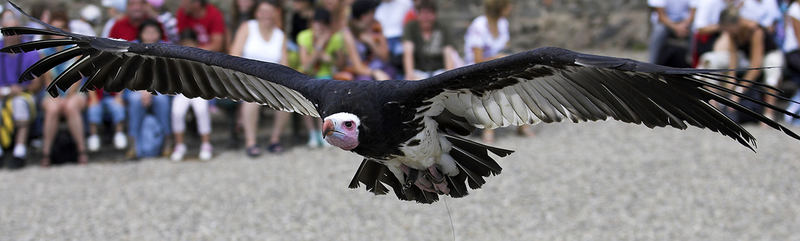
327	128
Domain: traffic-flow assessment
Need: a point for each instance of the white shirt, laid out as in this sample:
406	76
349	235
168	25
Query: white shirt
391	14
764	12
676	10
707	13
81	27
478	36
790	42
256	47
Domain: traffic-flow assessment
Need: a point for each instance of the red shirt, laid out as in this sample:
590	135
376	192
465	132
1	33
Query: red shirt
211	23
124	29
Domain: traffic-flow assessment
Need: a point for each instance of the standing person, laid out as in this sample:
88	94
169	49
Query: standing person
426	44
19	94
205	20
391	13
138	102
70	104
181	104
486	39
261	39
669	39
115	10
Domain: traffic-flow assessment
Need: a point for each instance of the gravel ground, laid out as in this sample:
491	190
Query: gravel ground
591	181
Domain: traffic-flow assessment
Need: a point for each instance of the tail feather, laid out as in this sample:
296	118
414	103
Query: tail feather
472	160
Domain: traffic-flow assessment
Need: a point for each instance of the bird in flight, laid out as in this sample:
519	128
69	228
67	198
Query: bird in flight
411	133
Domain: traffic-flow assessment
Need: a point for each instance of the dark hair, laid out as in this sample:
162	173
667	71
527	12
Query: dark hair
38	8
729	16
188	34
256	3
148	23
494	8
322	15
362	7
427	4
60	14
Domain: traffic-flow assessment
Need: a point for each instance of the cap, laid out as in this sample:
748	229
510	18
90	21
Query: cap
156	3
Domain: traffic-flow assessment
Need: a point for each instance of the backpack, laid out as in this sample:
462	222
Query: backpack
151	137
64	149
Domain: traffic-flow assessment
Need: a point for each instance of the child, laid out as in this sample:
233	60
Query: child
150	31
180	105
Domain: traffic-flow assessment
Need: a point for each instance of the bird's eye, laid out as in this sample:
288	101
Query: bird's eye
348	124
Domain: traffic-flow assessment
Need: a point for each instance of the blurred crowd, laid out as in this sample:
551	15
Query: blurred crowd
734	34
346	40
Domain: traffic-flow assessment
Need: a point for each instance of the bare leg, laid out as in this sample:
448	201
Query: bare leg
72	111
281	118
250	117
488	136
50	126
178	138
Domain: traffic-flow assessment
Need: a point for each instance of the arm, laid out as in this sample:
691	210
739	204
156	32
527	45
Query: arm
352	54
756	55
449	62
284	52
216	43
679	28
478	53
408	60
239	40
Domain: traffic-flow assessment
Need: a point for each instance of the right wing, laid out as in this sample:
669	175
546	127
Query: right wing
167	69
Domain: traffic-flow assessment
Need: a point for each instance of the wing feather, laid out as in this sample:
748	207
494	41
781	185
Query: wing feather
168	69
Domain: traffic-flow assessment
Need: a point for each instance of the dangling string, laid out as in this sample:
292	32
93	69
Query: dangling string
452	226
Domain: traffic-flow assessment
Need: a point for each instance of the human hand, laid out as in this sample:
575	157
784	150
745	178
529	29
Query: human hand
146	98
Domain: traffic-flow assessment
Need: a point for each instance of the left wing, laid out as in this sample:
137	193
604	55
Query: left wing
552	84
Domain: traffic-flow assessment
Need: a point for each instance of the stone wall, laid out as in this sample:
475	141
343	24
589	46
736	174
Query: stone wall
574	24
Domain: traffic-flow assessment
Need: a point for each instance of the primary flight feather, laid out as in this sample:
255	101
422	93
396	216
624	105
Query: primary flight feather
410	132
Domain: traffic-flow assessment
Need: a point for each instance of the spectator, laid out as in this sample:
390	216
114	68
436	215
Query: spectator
792	50
115	9
368	49
261	39
41	10
18	94
155	8
180	105
70	104
764	12
84	25
486	39
669	40
390	14
426	43
138	102
205	20
746	44
320	47
301	18
705	28
242	12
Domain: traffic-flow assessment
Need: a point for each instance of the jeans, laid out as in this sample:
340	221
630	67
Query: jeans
95	113
657	36
160	106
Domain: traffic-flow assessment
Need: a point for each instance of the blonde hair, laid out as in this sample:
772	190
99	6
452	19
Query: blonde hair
494	8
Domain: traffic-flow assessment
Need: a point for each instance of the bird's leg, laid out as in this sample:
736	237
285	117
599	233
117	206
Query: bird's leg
436	177
411	176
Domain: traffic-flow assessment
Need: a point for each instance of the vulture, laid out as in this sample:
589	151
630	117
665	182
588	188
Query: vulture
411	134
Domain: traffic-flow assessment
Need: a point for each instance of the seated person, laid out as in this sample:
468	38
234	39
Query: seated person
19	95
366	47
745	44
180	105
70	104
319	49
426	44
150	31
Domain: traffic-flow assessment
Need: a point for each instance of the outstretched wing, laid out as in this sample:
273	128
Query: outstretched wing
167	69
552	84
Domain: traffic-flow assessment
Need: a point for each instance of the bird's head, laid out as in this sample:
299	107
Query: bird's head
341	130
